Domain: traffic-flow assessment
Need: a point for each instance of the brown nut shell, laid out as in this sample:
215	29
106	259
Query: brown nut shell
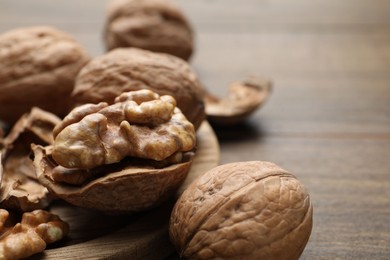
38	66
19	188
246	210
155	25
128	69
118	188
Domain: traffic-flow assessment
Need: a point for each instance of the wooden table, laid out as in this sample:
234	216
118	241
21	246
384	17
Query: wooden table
328	119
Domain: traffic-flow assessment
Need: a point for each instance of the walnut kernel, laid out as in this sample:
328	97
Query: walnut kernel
31	235
139	124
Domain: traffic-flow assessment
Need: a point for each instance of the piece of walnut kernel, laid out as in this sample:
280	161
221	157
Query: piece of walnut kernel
36	229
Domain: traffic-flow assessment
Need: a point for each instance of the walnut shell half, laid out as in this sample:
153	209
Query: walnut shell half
38	66
155	25
128	69
116	188
246	210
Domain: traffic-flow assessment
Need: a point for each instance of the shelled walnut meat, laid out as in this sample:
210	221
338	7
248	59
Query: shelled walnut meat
128	69
31	236
128	156
155	25
244	210
38	66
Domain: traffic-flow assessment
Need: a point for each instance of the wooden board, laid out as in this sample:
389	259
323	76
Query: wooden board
138	236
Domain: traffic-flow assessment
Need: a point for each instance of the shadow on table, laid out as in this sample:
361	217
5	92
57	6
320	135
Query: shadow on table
246	130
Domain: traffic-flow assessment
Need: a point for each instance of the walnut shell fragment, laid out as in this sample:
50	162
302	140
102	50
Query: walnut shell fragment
155	25
243	99
35	230
19	189
38	66
245	210
129	156
128	69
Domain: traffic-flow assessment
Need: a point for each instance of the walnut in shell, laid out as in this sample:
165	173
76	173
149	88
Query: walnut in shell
129	156
245	210
155	25
127	69
38	66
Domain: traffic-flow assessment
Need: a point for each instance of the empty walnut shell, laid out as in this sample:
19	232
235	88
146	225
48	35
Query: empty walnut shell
127	69
19	188
243	100
246	210
38	66
155	25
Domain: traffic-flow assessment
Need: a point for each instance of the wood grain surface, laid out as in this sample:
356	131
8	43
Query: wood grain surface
328	118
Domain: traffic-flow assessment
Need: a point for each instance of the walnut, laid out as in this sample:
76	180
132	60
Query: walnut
243	99
129	156
38	66
19	188
155	25
128	69
244	210
31	235
139	124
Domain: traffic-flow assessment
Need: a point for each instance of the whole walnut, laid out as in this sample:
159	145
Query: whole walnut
129	69
155	25
38	66
244	210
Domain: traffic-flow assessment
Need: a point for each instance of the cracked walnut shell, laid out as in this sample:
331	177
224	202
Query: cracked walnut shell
155	25
38	66
128	69
19	188
129	156
245	210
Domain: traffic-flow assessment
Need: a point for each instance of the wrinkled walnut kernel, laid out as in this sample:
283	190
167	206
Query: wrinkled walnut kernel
31	235
139	124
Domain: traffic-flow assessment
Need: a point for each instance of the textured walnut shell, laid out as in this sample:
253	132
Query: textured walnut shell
244	99
246	210
38	66
155	25
119	188
19	188
126	69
